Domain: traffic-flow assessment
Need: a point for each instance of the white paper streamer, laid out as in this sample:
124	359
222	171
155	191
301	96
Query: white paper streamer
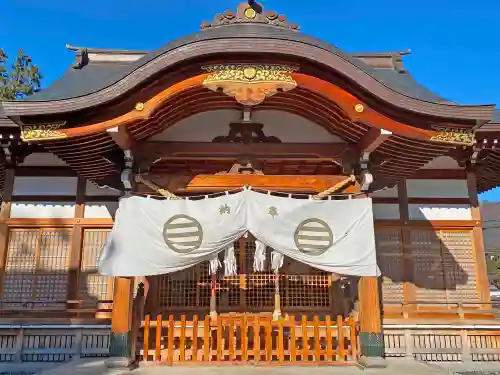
277	261
259	258
214	265
230	265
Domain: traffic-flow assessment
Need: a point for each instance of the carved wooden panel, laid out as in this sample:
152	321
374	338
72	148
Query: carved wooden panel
36	270
390	261
92	286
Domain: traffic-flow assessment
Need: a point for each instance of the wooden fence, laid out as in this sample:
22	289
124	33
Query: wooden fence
248	339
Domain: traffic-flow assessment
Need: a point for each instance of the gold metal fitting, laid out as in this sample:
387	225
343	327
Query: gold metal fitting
359	108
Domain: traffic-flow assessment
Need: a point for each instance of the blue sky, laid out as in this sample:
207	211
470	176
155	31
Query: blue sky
455	43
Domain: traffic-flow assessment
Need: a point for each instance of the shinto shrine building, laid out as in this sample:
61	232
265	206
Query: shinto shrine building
247	101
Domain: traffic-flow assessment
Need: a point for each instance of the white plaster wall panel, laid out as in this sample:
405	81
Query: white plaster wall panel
93	190
385	211
45	185
437	189
100	210
45	210
386	193
442	162
439	212
42	159
204	127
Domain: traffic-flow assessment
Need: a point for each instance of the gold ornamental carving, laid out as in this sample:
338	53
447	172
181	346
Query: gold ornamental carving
42	132
464	137
249	84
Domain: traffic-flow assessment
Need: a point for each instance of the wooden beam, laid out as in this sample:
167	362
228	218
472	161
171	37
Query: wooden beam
45	171
122	137
214	183
206	150
372	139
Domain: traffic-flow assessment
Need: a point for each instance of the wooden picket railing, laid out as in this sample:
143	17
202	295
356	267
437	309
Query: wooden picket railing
248	339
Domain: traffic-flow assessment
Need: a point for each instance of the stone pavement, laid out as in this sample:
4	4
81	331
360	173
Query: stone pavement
395	367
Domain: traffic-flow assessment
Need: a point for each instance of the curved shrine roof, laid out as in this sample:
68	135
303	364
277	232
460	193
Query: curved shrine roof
99	76
92	76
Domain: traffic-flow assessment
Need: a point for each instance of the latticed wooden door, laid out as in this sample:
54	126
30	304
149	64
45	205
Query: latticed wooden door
36	269
439	263
301	287
94	289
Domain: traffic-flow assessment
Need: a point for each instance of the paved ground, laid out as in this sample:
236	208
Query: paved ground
396	367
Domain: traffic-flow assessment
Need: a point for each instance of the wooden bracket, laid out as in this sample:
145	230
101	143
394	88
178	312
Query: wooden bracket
372	139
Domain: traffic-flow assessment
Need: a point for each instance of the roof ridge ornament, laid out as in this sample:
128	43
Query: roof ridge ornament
250	12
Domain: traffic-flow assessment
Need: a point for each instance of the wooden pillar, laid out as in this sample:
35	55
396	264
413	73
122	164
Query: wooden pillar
77	243
478	240
121	318
370	337
404	215
4	228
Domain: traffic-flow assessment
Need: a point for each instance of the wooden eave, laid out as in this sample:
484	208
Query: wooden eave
99	155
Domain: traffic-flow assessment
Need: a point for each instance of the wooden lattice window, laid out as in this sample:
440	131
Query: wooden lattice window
93	287
459	265
301	287
443	265
390	261
187	288
36	269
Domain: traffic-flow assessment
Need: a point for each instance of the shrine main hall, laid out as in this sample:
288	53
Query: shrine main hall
244	194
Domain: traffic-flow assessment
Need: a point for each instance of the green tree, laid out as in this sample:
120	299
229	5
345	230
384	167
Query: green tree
21	79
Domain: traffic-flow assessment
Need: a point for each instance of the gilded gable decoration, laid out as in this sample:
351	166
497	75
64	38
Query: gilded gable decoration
249	84
250	12
42	132
464	137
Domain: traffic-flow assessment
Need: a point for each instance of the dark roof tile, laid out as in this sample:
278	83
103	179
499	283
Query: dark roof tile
496	116
4	120
96	76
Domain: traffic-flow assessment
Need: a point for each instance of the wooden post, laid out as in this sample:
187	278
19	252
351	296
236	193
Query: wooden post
277	298
409	283
370	337
121	318
76	243
478	240
4	228
213	297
